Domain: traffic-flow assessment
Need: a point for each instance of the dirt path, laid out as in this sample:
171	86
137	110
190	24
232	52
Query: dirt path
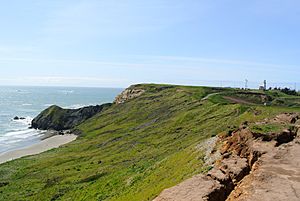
209	95
238	100
232	99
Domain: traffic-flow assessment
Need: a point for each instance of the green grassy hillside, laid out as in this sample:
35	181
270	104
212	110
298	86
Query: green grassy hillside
132	151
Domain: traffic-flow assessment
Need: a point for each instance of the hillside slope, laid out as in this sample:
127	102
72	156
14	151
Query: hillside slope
135	148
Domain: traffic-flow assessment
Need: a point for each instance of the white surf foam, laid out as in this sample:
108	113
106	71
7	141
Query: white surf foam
25	133
66	91
26	104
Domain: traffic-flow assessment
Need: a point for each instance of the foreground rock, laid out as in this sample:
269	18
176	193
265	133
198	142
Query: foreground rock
276	176
57	118
195	189
237	157
251	167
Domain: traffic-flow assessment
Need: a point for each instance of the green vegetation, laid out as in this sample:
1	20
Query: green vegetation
267	128
133	151
286	91
256	97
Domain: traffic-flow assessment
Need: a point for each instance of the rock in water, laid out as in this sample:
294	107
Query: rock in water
57	118
18	118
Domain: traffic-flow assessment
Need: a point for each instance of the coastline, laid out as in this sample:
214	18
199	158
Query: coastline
42	146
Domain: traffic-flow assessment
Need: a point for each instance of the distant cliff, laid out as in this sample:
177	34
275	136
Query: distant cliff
129	93
57	118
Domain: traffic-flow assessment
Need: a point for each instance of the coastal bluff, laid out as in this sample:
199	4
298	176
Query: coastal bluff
167	143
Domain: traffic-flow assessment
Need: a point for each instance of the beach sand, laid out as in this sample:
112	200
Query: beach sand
42	146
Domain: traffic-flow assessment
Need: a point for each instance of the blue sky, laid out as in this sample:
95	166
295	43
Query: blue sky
115	43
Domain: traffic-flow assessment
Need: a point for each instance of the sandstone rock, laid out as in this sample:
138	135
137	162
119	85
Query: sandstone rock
128	94
261	167
286	118
198	188
276	177
224	179
285	137
235	167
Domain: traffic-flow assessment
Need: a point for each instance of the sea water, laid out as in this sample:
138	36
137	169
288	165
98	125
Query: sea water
28	102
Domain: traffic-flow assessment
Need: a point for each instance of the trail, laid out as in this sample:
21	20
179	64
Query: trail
209	95
238	100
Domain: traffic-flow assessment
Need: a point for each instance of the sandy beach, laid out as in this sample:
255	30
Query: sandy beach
42	146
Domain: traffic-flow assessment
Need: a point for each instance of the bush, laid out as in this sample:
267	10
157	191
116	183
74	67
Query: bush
287	91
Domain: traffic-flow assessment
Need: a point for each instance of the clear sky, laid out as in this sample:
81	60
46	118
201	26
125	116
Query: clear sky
115	43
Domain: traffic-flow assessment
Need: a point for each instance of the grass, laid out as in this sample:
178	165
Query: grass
267	128
131	151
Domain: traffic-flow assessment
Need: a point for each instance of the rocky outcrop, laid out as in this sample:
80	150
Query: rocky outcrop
246	169
128	94
198	188
237	156
18	118
286	118
275	176
57	118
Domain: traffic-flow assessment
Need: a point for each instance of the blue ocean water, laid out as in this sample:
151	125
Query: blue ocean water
28	102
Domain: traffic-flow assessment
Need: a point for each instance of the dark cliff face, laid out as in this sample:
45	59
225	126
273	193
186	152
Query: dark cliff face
57	118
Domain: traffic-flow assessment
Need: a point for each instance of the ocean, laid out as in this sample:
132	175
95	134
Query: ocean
28	102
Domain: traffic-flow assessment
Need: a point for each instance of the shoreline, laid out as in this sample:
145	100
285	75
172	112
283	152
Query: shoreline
45	144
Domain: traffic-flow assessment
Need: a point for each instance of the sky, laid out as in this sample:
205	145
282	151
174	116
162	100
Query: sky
116	43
